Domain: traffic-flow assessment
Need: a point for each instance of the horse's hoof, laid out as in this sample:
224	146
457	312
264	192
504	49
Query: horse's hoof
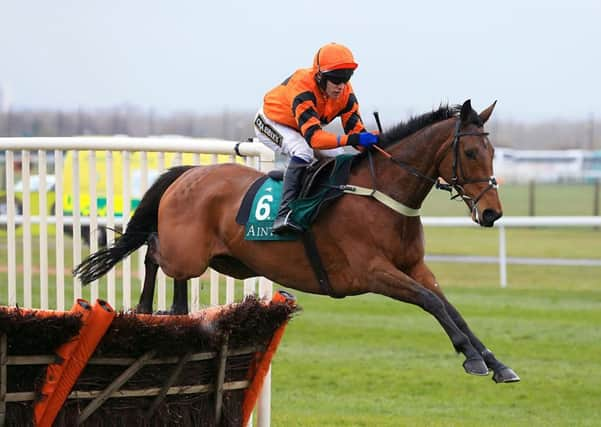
475	367
505	375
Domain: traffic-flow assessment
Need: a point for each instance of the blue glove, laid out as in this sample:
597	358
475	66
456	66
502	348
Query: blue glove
364	139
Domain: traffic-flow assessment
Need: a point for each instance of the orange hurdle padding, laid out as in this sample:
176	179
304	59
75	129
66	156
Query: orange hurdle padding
55	370
91	333
263	361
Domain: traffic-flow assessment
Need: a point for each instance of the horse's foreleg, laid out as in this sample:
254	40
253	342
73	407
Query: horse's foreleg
502	373
396	284
180	297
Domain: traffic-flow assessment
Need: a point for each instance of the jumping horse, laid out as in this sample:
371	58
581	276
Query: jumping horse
187	218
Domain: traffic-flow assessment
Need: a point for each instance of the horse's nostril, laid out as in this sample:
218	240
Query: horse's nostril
489	216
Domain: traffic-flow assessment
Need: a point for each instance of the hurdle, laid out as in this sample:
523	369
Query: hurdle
204	369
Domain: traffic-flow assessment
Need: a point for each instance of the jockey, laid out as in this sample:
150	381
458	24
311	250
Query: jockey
293	113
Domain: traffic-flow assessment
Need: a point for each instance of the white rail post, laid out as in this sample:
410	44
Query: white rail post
214	289
76	224
125	211
144	187
111	276
27	258
502	256
11	228
266	163
93	230
43	230
60	239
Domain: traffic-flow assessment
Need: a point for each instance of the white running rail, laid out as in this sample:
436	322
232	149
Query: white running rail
515	221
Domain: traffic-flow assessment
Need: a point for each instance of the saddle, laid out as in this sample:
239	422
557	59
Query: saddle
322	183
315	174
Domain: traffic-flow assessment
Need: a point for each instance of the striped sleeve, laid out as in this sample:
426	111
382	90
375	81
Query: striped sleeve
303	109
351	119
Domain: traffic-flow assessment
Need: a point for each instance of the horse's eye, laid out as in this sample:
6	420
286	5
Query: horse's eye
471	154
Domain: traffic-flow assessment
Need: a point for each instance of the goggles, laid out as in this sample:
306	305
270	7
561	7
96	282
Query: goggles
338	76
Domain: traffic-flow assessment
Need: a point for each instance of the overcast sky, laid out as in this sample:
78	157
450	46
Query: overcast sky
540	59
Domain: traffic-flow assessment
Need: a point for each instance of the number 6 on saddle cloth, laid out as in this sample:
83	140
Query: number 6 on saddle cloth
323	183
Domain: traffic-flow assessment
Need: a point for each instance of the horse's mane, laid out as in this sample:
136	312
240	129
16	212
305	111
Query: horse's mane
414	124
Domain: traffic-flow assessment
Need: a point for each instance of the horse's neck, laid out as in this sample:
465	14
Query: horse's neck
420	151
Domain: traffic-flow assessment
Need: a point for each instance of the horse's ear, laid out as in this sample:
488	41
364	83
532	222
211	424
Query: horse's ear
466	110
485	115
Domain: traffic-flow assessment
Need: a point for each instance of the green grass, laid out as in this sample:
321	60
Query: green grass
370	361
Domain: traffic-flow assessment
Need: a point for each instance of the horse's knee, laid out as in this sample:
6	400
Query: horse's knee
429	301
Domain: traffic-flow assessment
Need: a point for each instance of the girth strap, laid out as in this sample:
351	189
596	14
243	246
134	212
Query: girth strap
316	264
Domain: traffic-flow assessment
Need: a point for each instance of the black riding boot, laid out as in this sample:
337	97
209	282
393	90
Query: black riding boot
292	182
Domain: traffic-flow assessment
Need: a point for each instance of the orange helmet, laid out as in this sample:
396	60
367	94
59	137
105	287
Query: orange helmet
333	62
334	56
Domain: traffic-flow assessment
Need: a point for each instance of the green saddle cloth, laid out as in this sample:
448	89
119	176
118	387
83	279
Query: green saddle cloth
304	210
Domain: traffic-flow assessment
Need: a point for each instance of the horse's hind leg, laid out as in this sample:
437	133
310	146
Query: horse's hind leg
151	264
431	303
180	297
502	373
150	276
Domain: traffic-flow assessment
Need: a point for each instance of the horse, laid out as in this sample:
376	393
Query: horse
187	218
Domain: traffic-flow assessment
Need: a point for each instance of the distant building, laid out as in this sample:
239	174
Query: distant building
520	166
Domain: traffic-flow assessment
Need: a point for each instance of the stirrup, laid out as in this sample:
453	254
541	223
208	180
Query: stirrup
286	226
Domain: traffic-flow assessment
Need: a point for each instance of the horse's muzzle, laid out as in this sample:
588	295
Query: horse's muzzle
488	218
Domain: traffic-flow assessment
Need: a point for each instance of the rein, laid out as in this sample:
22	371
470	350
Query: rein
373	192
436	182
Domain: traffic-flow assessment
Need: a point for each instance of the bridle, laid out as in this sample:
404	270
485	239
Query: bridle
457	167
456	183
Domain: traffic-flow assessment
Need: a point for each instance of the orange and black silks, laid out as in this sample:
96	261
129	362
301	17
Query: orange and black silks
301	104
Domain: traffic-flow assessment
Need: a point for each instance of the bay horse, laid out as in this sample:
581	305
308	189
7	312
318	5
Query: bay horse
187	218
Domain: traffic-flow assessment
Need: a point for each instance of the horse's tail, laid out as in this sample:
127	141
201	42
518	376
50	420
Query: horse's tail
143	222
